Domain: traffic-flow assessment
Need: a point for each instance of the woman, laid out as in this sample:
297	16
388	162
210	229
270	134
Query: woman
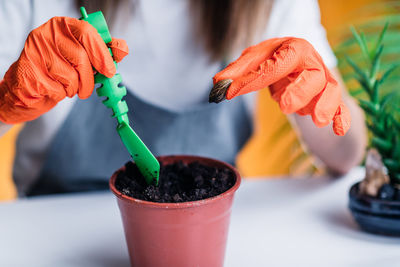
177	47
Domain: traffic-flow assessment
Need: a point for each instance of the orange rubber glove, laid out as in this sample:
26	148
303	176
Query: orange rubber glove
297	78
57	61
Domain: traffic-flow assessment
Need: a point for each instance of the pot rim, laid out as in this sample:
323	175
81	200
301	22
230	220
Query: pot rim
178	205
354	193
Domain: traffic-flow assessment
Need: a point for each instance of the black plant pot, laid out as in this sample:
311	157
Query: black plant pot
375	215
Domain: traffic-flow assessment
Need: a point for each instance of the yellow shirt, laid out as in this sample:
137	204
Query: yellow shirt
274	148
7	152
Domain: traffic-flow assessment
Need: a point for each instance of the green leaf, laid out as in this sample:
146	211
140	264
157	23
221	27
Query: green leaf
396	150
361	43
376	62
390	102
375	130
392	164
394	124
381	144
377	124
387	73
381	35
397	178
368	107
364	41
397	125
375	93
365	85
364	81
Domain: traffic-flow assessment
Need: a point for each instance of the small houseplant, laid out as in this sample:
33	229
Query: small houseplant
375	201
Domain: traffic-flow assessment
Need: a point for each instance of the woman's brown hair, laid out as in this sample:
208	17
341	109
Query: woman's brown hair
222	26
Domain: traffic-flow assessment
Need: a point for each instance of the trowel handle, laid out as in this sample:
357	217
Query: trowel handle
110	87
98	21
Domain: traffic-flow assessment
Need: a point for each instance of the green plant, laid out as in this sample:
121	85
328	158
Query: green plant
382	109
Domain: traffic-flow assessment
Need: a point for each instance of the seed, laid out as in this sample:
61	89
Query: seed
218	91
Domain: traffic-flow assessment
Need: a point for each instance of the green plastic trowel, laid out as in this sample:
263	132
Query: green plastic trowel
111	89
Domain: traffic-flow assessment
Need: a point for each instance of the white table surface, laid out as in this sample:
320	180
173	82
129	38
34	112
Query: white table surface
280	222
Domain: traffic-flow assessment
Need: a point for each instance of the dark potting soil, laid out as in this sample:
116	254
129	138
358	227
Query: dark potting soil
179	182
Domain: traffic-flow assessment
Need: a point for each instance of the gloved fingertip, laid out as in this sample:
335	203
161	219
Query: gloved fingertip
233	91
340	127
338	131
119	56
341	120
285	103
320	120
85	93
215	79
82	96
321	123
110	71
218	77
120	49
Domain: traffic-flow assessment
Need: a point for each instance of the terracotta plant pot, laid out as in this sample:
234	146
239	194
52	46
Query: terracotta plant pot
182	234
375	215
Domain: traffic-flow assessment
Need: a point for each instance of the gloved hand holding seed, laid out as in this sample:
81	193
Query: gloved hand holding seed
296	76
